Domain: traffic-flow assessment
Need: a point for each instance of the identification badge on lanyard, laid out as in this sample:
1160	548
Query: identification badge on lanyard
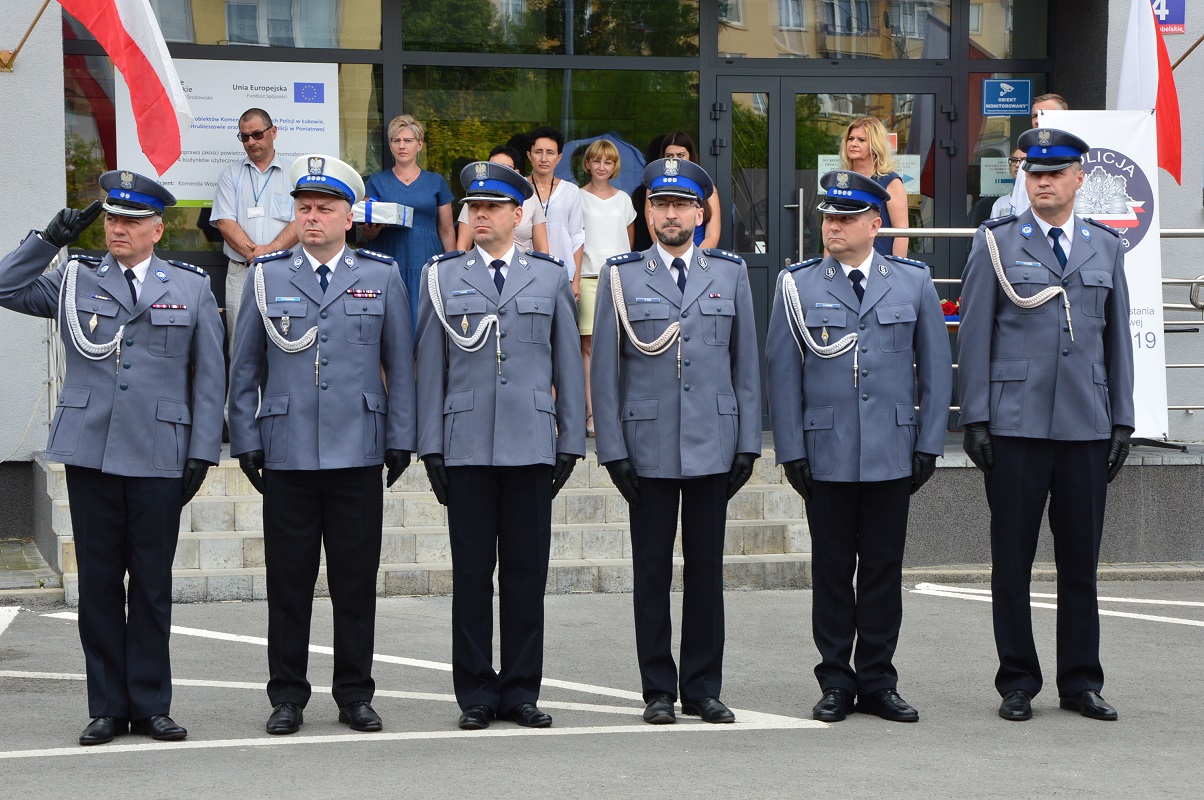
255	212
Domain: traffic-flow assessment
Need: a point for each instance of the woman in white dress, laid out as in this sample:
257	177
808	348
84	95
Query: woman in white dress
559	199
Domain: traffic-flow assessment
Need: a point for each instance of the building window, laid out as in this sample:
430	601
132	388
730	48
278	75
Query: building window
976	17
731	12
175	19
790	14
847	16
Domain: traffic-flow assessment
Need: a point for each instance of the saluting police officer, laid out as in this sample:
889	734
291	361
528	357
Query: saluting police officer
321	394
138	423
1047	405
684	423
856	342
501	394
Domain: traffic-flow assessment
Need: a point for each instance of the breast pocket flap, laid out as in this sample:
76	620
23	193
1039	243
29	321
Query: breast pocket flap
822	317
819	418
639	409
533	305
354	306
92	305
278	310
458	401
466	305
720	306
173	411
179	317
1027	275
1096	277
1014	370
892	315
637	311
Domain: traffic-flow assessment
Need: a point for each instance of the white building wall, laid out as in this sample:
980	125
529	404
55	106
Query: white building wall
1182	207
31	101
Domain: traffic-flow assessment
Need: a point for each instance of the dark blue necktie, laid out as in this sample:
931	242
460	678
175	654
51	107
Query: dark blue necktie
1059	253
129	278
680	266
499	280
856	277
324	276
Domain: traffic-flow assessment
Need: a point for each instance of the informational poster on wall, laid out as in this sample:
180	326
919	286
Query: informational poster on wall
303	100
907	165
1120	189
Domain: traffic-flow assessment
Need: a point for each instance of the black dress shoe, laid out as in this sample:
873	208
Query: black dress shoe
1017	706
285	718
710	709
887	704
1089	704
159	727
529	716
475	718
102	730
360	716
835	705
660	710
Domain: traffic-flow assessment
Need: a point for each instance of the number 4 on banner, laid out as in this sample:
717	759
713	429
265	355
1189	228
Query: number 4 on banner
1160	9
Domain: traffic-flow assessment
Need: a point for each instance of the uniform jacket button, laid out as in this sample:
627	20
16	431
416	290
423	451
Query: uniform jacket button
324	314
325	385
324	337
325	361
685	314
865	397
504	381
124	386
686	387
1065	352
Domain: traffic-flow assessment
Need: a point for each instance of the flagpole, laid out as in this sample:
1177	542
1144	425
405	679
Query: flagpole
7	66
1188	53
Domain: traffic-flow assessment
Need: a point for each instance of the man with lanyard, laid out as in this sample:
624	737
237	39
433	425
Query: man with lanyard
252	209
856	342
1046	374
680	423
138	424
501	422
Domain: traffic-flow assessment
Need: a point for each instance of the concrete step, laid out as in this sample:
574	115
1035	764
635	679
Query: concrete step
565	576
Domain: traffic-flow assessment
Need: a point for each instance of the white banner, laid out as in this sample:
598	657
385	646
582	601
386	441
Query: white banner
303	100
1120	189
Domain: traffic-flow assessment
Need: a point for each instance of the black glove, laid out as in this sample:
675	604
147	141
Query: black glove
977	444
798	473
396	462
69	223
194	476
251	465
562	470
625	480
1118	449
741	471
922	467
436	473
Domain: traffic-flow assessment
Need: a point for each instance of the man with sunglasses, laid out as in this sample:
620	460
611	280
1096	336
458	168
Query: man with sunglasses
252	208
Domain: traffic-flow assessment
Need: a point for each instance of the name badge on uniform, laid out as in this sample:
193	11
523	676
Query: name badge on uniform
255	212
647	299
827	305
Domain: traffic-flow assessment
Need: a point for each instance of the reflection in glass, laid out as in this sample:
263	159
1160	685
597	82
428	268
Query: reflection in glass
469	110
898	29
820	121
580	27
91	144
749	191
349	24
1009	29
992	140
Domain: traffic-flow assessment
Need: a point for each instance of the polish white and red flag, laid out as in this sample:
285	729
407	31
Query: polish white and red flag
1146	83
130	35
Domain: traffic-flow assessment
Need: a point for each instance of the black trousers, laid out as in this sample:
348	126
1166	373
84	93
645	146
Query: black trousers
861	529
304	511
125	525
498	516
653	530
1074	476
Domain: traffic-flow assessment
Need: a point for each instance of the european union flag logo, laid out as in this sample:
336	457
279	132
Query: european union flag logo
309	92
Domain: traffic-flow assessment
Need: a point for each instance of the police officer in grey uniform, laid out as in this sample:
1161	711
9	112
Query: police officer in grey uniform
856	342
501	422
321	394
681	421
1046	380
138	423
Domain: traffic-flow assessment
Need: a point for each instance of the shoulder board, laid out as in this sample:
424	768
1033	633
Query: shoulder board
1099	224
375	256
715	252
444	256
994	221
624	258
546	257
187	266
272	256
909	261
809	262
88	261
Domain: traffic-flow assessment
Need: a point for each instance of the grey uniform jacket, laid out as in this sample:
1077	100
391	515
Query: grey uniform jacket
343	415
1019	369
475	409
868	431
163	405
670	426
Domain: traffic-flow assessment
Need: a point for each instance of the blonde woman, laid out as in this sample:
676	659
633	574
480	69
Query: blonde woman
426	192
865	150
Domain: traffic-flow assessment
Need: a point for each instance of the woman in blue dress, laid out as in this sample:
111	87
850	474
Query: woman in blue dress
427	193
865	149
